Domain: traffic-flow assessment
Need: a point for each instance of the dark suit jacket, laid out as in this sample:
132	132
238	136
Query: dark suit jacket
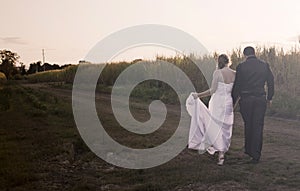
251	77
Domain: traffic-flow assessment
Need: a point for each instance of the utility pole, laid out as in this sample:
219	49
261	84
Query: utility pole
43	54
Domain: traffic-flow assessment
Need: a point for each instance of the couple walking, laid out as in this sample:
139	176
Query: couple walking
211	128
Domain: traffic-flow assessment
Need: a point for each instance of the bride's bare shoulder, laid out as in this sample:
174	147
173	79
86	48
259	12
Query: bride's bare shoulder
217	71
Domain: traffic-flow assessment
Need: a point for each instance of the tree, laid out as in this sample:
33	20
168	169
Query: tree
8	62
35	67
22	69
38	67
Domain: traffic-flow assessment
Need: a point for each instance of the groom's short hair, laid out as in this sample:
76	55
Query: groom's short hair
248	51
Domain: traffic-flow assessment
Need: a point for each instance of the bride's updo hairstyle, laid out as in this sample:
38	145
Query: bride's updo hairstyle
223	60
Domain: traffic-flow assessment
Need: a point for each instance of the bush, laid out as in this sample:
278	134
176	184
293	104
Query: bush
18	77
2	78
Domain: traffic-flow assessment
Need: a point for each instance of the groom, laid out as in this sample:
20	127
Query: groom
251	77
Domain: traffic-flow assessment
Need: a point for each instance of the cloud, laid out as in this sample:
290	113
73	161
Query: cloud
13	40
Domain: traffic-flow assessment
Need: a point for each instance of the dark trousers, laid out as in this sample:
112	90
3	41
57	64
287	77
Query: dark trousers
253	111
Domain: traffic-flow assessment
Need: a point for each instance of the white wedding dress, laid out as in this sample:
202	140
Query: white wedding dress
211	128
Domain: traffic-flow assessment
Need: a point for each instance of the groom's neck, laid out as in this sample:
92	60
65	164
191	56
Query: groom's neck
251	56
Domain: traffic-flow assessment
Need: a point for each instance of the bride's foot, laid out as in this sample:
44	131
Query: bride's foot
211	150
221	158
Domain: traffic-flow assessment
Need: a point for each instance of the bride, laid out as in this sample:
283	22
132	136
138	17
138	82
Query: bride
211	128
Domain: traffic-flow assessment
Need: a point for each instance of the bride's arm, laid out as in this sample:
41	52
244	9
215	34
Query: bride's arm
204	94
213	88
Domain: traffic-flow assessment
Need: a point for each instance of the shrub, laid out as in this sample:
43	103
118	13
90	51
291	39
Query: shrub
2	78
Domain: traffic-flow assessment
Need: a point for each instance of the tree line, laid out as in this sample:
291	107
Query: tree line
9	61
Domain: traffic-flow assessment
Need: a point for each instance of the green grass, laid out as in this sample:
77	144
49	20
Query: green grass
29	132
5	94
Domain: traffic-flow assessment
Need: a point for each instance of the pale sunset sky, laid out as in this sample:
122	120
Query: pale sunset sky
68	29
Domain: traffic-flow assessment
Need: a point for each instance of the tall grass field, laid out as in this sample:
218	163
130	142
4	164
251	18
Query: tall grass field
285	67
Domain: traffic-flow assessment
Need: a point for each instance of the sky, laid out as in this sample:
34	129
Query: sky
68	29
